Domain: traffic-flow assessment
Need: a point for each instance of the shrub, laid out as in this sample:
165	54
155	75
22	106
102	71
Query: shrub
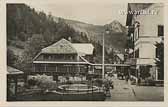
32	82
43	82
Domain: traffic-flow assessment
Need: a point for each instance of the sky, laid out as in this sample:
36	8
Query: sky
98	13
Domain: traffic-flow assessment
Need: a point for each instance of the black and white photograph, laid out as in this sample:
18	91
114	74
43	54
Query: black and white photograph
87	51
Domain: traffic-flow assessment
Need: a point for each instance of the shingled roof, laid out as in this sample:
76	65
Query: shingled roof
133	7
61	47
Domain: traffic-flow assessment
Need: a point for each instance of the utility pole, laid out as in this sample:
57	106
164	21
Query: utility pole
103	52
103	59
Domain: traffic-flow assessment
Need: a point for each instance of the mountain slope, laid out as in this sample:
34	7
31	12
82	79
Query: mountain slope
93	32
116	26
116	39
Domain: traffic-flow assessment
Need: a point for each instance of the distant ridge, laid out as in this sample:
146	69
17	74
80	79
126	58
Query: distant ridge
116	39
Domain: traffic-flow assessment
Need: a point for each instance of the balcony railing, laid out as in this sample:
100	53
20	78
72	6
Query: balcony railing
131	61
141	61
148	39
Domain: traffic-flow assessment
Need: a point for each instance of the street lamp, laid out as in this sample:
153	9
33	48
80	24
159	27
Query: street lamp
103	73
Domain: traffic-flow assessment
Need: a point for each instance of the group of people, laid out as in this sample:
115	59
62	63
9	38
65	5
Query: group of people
108	84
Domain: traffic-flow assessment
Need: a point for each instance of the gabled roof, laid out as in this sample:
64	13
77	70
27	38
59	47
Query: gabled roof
65	47
83	48
139	6
61	47
135	7
12	70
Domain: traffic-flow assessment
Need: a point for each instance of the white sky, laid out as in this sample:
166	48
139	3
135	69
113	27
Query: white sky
98	13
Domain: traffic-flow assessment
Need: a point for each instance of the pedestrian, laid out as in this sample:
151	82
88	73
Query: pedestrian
139	81
126	78
107	89
122	75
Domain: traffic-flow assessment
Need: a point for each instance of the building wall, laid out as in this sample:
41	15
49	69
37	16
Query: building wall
148	34
149	23
146	50
60	68
57	57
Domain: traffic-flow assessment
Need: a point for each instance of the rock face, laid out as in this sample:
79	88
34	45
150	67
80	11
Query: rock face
116	26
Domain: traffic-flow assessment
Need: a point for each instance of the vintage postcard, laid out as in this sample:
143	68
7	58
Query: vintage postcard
83	51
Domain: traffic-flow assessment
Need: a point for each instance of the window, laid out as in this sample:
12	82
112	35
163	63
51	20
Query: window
137	53
46	57
138	32
157	52
160	30
137	26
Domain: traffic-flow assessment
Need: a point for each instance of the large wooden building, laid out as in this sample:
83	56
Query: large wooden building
64	58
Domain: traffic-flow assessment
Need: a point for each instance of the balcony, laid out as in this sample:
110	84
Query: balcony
148	39
140	61
145	61
131	61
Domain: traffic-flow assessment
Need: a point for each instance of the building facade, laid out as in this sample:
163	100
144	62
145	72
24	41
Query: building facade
145	30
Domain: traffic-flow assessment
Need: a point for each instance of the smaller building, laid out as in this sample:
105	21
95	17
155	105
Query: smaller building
14	77
86	50
119	58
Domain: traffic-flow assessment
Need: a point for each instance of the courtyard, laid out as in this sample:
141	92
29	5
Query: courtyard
123	91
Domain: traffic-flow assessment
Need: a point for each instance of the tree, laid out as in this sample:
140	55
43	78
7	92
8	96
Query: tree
33	46
145	71
11	58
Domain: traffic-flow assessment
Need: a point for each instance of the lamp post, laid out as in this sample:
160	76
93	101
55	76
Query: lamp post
103	57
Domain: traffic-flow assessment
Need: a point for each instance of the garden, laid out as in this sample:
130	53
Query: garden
43	88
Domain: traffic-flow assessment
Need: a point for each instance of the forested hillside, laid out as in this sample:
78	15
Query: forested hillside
28	31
